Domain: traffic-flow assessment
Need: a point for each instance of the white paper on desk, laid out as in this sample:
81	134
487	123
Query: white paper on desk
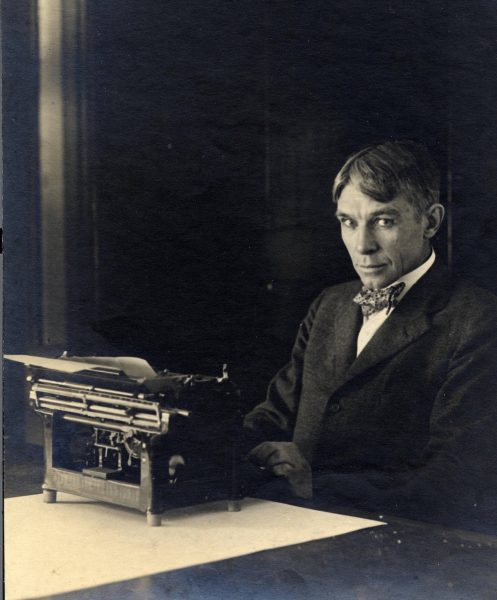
136	368
78	543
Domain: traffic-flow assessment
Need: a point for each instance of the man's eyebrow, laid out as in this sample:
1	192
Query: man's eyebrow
385	211
393	212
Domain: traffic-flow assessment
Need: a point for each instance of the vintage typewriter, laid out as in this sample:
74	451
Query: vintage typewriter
117	431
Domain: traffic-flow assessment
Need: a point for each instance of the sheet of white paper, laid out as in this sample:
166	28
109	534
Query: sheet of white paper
66	366
78	543
136	368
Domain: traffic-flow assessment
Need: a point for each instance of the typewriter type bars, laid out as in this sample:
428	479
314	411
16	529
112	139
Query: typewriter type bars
127	460
89	405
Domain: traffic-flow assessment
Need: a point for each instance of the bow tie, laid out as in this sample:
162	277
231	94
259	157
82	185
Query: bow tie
372	301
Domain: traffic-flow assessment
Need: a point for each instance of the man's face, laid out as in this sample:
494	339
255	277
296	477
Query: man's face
385	240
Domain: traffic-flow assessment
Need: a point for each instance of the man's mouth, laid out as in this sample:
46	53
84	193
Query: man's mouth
371	267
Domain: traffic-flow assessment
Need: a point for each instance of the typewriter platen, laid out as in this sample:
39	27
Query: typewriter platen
116	431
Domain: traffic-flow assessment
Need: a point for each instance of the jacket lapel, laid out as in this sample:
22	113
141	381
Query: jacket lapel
342	347
409	321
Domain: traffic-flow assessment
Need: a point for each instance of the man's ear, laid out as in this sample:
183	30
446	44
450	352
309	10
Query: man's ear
434	217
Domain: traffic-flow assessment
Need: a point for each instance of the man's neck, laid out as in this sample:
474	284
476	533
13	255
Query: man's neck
409	279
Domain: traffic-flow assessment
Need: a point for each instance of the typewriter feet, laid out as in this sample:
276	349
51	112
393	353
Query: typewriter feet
234	506
153	519
49	496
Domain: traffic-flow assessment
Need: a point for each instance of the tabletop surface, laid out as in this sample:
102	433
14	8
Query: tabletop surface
402	561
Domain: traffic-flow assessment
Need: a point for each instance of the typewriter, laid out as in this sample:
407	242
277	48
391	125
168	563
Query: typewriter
117	431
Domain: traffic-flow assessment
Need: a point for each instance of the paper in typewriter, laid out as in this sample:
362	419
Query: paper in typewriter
78	543
136	368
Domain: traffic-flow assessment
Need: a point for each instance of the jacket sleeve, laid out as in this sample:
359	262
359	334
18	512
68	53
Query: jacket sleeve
274	419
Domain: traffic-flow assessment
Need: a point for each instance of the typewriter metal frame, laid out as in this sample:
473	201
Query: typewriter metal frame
147	445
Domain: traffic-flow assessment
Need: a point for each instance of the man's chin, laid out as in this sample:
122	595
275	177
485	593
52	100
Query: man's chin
375	281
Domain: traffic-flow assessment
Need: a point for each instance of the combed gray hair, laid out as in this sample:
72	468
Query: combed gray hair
390	169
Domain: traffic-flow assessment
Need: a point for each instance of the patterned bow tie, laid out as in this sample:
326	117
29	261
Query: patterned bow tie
372	301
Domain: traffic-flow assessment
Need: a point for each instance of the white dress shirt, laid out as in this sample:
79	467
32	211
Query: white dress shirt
372	323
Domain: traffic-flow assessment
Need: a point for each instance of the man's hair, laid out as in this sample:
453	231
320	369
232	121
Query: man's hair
390	169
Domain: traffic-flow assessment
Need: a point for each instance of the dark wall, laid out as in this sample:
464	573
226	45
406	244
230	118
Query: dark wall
179	138
20	181
473	139
20	202
218	129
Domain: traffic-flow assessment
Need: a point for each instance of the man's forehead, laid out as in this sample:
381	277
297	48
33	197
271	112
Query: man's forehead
353	200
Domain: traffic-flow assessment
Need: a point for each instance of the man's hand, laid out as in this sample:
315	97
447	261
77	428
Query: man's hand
284	459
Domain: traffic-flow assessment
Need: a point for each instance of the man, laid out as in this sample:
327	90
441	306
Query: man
390	397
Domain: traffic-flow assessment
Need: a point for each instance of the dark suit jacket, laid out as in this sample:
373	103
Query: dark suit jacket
414	414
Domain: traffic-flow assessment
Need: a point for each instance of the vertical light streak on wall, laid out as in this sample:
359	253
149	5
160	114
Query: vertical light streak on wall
52	188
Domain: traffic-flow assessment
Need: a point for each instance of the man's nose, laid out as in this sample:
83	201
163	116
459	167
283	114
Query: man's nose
365	241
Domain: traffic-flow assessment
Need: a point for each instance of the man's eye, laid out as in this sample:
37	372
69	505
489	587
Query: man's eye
384	222
347	222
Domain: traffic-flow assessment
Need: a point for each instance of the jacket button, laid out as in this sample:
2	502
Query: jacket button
335	407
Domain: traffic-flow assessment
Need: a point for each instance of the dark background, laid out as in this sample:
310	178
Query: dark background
202	225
